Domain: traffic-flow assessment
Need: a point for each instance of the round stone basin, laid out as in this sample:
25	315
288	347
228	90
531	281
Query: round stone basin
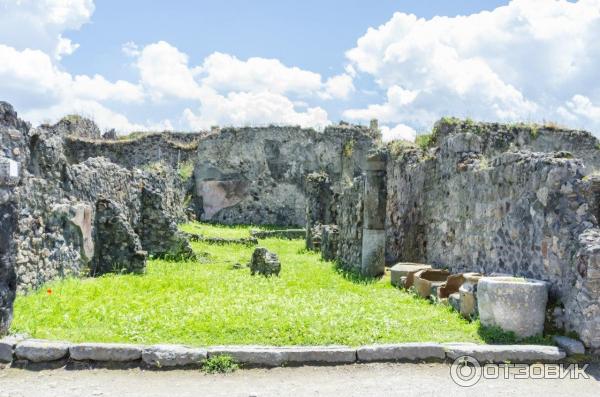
514	304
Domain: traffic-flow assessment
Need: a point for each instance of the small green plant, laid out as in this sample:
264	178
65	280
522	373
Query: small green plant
186	170
221	364
497	336
424	141
348	148
534	131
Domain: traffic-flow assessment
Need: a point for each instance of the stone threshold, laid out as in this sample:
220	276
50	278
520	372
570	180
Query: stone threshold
25	352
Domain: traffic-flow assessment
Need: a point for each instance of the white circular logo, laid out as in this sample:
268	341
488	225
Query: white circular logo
465	371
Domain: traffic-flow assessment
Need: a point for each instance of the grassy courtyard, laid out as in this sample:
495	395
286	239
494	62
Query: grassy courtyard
210	301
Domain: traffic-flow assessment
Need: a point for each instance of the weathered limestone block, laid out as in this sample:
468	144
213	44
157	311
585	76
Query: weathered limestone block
403	269
518	354
118	248
161	356
401	352
38	351
111	352
428	281
264	262
452	284
513	304
569	345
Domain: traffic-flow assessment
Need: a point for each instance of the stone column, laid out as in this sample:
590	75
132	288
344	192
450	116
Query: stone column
373	239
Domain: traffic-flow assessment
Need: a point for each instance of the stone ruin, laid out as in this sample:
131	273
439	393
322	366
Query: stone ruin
522	200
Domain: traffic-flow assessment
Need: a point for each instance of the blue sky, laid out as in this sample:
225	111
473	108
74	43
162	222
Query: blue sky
187	65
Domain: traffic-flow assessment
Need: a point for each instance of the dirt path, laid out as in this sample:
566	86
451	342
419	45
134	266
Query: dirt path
352	380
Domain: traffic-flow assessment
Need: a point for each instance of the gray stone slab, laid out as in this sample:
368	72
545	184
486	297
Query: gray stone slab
401	352
270	356
504	353
115	352
251	355
173	356
7	348
569	345
319	354
39	351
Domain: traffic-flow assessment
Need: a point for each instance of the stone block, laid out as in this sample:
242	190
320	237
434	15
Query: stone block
173	356
401	352
319	355
261	356
268	356
513	304
403	269
7	348
112	352
505	353
569	345
39	351
264	262
425	281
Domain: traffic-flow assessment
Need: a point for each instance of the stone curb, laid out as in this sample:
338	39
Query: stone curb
111	352
401	352
179	356
505	353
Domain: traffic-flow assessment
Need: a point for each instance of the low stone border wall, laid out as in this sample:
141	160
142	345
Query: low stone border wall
22	352
290	234
220	240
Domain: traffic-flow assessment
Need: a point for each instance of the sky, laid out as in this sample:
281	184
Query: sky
189	65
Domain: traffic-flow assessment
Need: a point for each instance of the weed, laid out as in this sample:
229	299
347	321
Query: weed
221	364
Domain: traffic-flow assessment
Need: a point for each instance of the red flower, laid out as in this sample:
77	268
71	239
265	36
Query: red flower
49	291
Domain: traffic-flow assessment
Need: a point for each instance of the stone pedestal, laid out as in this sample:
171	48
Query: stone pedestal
513	304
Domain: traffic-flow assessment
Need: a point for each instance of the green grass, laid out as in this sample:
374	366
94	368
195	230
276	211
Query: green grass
209	302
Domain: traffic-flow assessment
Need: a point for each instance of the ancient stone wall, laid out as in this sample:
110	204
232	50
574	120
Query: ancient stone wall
257	175
477	201
172	149
61	219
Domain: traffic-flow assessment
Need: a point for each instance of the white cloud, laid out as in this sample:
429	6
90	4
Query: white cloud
522	61
229	91
400	131
165	72
225	73
340	87
39	24
251	108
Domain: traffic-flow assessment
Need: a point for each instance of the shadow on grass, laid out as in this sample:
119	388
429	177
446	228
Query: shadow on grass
353	276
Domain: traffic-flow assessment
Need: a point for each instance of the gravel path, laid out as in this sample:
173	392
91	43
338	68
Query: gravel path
351	380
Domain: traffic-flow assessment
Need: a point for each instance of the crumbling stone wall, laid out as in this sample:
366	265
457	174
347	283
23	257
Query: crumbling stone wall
476	201
257	175
61	219
172	149
350	225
